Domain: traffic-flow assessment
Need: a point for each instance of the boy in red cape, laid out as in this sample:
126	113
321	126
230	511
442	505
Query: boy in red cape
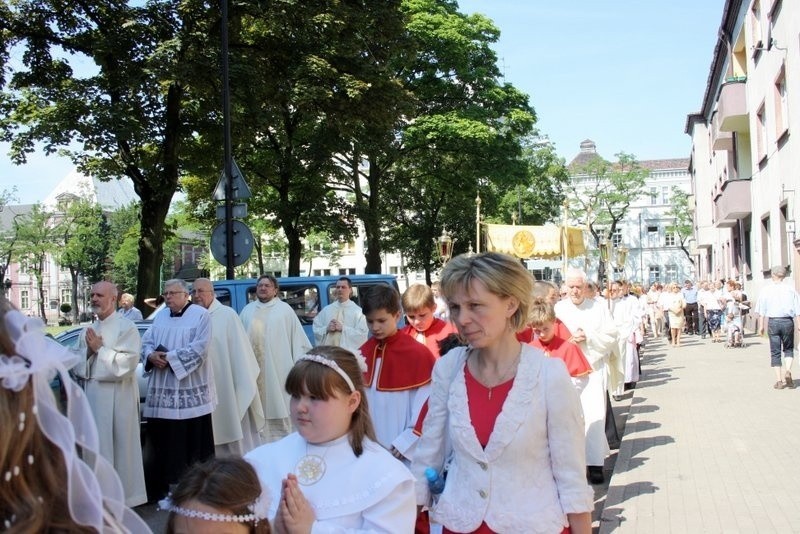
419	306
544	325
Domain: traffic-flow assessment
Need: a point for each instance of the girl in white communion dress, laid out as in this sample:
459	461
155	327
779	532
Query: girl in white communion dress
331	475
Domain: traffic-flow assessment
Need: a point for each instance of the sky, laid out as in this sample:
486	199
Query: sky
623	73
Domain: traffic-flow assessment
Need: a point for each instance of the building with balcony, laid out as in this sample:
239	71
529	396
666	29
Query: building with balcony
654	253
745	164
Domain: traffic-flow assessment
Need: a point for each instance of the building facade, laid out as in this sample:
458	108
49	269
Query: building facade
655	254
745	162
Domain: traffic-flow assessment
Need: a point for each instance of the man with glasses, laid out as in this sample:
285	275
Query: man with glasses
180	391
341	323
278	340
238	417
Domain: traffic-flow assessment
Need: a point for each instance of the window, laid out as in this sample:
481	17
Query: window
765	244
653	196
664	194
24	299
781	110
761	133
347	271
322	272
616	239
654	274
671	272
755	27
669	240
66	295
652	236
348	248
394	270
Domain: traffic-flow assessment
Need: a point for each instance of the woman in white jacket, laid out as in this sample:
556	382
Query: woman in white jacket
504	416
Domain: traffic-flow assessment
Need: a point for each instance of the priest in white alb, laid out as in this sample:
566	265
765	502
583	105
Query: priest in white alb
278	340
238	418
109	353
341	323
593	330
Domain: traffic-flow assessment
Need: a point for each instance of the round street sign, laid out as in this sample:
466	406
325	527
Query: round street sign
242	243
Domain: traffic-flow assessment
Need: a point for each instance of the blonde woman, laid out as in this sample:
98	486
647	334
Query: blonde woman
493	411
675	307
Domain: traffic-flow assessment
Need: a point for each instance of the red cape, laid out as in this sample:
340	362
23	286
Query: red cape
570	353
406	363
436	332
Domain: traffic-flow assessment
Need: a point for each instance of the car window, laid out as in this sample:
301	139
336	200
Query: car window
224	296
303	299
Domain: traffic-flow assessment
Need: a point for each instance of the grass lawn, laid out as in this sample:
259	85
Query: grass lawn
53	330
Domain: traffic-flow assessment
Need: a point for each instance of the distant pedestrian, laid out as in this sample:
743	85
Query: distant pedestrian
126	308
689	293
778	310
714	306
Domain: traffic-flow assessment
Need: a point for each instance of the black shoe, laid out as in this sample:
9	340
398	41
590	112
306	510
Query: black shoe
594	473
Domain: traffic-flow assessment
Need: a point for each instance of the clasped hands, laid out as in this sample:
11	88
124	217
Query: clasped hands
159	359
94	341
295	514
334	326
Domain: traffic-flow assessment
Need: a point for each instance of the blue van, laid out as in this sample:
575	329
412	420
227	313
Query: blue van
307	295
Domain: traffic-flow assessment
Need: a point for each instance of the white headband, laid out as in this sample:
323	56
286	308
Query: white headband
258	511
94	491
362	365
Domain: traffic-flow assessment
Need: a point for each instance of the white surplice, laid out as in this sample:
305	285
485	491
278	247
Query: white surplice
235	378
354	325
594	318
185	388
278	340
373	492
112	392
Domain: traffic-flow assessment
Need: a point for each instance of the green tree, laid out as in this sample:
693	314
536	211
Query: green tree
118	80
539	200
38	235
322	70
84	244
462	125
682	222
8	234
124	247
601	194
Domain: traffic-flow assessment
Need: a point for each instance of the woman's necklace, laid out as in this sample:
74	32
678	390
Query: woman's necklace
507	373
311	468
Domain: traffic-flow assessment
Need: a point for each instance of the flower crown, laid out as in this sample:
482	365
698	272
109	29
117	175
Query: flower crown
258	511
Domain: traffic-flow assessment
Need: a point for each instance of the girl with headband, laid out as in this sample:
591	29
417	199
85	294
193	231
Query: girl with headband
330	474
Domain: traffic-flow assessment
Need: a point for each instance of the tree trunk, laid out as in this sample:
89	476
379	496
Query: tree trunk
40	283
74	280
155	192
295	249
372	222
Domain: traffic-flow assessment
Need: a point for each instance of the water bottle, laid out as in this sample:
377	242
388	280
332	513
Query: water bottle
435	481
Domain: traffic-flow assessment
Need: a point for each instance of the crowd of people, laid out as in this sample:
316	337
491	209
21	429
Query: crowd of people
497	385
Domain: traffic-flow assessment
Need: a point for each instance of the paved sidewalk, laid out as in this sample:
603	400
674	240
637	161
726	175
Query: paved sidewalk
709	445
